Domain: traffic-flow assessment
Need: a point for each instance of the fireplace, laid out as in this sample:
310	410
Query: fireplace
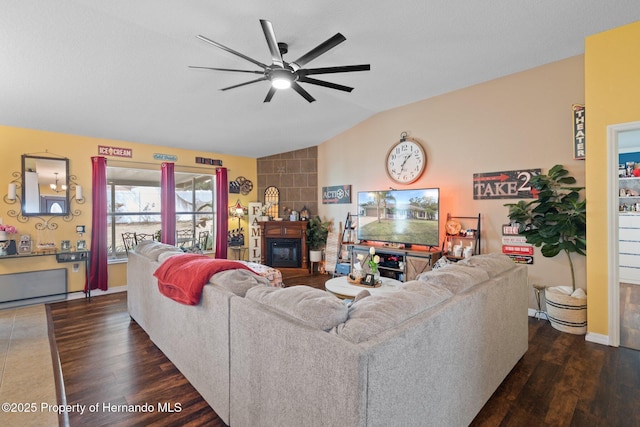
283	253
288	253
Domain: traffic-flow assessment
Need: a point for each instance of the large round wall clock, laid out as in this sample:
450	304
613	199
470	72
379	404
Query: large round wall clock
406	161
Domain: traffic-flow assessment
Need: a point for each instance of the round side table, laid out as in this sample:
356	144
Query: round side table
538	291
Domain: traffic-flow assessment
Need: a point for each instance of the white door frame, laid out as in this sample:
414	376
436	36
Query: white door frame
612	213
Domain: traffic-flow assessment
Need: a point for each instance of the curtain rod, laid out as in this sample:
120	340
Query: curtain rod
125	163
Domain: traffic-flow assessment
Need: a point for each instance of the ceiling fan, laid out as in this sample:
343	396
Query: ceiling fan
282	74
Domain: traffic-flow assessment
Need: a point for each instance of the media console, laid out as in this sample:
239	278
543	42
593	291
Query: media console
396	263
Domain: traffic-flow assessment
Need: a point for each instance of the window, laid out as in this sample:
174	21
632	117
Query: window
272	197
133	203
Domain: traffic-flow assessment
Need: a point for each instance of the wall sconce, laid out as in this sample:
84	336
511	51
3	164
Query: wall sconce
79	193
11	192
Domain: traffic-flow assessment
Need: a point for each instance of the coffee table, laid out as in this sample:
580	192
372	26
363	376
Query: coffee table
340	287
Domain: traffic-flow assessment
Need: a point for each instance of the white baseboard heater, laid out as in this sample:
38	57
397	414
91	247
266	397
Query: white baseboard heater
32	287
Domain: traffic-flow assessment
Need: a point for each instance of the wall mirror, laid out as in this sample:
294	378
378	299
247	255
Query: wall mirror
45	186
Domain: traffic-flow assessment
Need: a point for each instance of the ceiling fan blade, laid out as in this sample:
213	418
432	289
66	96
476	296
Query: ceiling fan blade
228	49
272	91
295	86
227	69
272	42
318	50
325	84
331	70
245	83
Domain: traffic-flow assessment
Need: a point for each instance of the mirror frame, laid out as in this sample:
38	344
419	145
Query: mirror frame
66	208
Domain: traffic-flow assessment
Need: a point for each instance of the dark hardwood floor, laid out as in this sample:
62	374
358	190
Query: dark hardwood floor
107	358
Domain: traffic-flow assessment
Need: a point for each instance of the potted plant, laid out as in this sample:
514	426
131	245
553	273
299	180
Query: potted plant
556	222
317	233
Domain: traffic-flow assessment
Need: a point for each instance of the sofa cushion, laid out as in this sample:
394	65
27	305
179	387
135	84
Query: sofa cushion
152	250
493	263
238	281
455	277
375	314
314	307
163	256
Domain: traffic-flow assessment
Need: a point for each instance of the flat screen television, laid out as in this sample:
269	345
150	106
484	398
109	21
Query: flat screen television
408	216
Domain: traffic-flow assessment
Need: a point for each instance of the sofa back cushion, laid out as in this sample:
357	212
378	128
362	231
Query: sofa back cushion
153	250
312	306
454	277
375	314
493	263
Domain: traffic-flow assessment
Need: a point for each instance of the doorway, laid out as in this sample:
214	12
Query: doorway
624	235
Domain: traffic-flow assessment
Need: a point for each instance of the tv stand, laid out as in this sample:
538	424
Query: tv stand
402	264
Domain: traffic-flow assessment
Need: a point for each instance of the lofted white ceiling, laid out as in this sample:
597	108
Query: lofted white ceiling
118	69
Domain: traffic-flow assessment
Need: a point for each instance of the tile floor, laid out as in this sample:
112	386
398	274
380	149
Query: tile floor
26	369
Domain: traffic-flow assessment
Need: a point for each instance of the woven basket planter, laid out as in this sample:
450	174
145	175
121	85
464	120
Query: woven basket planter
566	313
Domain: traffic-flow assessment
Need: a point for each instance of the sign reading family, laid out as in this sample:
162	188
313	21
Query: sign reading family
336	194
504	185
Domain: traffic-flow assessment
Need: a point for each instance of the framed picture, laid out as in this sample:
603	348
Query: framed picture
81	245
369	280
65	245
25	244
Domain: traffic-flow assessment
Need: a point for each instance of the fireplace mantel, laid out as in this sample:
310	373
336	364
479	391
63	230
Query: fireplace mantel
284	230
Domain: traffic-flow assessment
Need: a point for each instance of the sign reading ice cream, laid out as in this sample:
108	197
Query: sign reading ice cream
104	150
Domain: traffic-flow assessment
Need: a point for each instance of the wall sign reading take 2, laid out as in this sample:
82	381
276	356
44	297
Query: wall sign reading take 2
504	185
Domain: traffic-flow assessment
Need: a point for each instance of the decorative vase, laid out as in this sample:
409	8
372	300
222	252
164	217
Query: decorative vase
3	236
376	277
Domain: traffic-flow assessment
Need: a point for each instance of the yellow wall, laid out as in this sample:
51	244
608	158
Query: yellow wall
79	150
612	92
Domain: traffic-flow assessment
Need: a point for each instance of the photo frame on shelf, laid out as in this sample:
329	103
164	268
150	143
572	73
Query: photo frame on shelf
25	244
369	280
81	245
65	245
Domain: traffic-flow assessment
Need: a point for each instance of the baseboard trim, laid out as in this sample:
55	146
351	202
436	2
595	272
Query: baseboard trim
590	336
597	338
96	292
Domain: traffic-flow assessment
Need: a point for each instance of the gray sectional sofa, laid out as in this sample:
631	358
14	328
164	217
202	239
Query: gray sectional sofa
430	354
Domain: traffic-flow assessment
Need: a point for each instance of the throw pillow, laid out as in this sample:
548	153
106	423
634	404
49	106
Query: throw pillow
442	262
238	281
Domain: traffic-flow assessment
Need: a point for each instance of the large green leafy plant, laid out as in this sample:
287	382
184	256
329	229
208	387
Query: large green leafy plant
556	220
317	233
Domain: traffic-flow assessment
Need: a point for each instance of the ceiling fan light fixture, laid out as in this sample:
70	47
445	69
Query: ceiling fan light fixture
281	79
281	83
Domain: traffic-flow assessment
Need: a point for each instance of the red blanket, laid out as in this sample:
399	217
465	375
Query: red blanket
182	277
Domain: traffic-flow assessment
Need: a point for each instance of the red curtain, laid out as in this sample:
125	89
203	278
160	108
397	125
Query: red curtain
222	216
168	204
98	271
